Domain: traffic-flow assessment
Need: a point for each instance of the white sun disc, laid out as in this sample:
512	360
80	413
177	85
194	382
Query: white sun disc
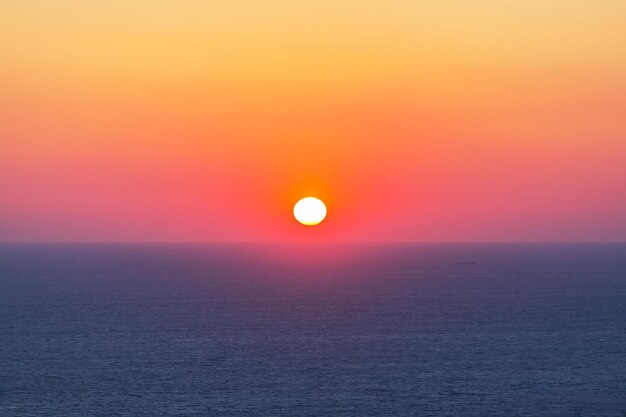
309	211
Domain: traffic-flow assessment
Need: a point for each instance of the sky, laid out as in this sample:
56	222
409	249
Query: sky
147	120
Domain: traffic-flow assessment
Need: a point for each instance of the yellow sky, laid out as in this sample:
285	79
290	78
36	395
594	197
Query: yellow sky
349	94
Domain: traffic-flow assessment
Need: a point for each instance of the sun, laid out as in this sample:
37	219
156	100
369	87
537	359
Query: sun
309	211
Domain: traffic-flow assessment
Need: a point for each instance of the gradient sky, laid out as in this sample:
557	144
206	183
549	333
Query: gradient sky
189	120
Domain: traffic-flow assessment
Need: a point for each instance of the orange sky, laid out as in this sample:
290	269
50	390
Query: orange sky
206	121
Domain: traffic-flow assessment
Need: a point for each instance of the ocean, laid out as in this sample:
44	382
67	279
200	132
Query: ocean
311	330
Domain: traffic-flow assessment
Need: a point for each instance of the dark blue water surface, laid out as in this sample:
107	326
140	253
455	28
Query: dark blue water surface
362	330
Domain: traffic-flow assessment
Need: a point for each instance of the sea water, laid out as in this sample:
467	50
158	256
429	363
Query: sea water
309	330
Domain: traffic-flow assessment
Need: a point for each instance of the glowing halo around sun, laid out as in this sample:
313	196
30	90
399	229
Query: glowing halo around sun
310	211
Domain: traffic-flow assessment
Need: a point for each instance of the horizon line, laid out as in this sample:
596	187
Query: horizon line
291	242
